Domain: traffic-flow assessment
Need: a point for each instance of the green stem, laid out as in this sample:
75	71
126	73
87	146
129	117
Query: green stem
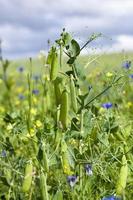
98	95
61	52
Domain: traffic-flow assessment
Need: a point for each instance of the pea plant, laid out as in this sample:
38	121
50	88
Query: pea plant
64	146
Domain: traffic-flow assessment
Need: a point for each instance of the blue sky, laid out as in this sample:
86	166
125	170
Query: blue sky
26	25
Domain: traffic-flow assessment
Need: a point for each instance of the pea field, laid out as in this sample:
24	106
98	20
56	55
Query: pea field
66	125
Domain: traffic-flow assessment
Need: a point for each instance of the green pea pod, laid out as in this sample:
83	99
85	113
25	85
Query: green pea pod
27	178
65	163
64	109
57	91
43	186
65	158
73	94
54	66
50	56
121	184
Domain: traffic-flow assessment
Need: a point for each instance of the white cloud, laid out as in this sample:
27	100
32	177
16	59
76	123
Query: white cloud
124	42
25	25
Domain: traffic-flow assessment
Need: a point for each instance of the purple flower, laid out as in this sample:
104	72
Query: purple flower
112	197
126	64
36	77
131	76
21	69
107	105
72	180
35	91
21	96
88	169
3	154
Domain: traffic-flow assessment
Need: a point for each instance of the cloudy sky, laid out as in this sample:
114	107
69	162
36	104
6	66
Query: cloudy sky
26	25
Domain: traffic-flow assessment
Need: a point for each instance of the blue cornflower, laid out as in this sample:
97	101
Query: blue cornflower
3	154
36	77
88	169
131	76
35	91
21	96
21	69
72	180
107	105
112	197
126	64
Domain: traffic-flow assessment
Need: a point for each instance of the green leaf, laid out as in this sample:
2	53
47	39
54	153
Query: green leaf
58	195
71	60
75	48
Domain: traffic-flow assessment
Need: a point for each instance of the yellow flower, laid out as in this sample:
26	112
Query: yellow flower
38	123
73	142
67	170
17	102
102	110
33	111
109	74
129	104
2	109
31	134
19	90
34	99
9	127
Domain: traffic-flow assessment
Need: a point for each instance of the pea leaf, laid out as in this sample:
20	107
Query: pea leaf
73	50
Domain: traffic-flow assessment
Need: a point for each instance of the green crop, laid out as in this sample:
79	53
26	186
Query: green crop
71	115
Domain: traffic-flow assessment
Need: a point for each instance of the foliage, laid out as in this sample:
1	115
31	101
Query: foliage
64	132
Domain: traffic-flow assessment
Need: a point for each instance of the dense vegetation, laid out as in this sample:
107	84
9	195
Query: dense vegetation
66	125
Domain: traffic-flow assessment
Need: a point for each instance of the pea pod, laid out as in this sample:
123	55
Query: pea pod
65	158
65	163
121	184
64	109
57	91
27	178
50	56
73	94
43	186
54	66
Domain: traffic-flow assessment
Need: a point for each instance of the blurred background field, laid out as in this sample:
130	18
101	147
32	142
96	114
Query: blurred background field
66	107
